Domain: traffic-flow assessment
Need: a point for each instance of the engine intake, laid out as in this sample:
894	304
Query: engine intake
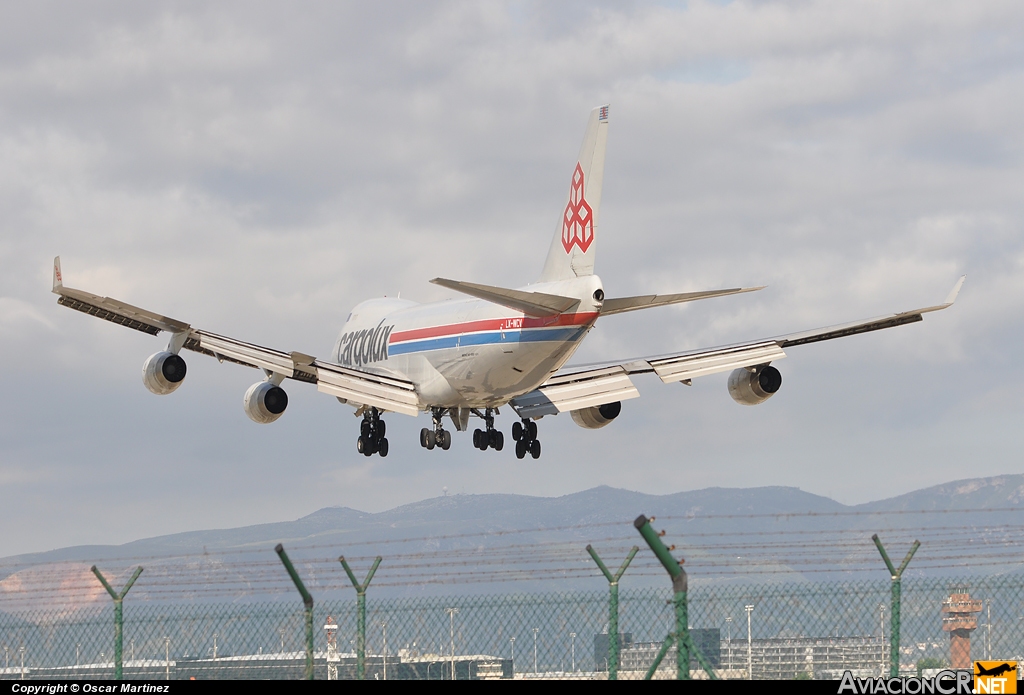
265	402
163	373
597	416
752	387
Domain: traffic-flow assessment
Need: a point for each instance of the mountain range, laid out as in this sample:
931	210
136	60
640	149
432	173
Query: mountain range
497	543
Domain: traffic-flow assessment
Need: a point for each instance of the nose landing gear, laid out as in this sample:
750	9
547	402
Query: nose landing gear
371	434
525	434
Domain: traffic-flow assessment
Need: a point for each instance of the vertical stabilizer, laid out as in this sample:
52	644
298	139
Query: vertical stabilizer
575	244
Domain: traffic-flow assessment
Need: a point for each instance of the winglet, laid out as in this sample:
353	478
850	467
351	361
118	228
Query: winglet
955	291
58	281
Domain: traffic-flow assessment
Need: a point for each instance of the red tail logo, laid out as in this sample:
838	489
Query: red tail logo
578	219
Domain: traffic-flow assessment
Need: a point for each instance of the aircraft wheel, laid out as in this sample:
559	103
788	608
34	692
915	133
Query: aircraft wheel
427	438
520	449
499	440
517	431
445	439
381	429
531	430
383	449
478	440
364	428
535	449
361	445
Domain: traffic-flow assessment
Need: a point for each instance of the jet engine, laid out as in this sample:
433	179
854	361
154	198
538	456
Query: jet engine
598	416
163	372
750	386
265	402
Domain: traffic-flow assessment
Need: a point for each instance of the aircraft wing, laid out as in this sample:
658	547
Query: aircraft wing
353	385
609	381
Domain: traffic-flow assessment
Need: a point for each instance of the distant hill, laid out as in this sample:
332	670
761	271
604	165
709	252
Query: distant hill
726	534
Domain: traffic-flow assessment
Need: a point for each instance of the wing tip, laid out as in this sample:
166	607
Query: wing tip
58	280
955	291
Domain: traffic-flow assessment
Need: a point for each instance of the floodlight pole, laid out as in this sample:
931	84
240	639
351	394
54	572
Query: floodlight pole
894	613
307	601
118	616
361	613
613	608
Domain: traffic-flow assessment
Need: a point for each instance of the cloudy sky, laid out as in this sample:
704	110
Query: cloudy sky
256	169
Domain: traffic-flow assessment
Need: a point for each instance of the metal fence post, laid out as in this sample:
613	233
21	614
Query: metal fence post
684	645
307	601
118	615
613	608
360	613
894	626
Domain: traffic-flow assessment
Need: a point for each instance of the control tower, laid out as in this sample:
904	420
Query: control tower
960	619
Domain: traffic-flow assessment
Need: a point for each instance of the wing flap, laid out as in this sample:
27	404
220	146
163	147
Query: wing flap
561	394
671	369
247	353
381	392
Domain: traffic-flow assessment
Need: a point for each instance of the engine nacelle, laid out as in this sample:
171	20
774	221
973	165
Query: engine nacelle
163	373
752	387
265	402
598	416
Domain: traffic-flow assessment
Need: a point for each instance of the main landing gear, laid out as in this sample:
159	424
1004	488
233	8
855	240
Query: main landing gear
525	434
438	436
489	438
371	434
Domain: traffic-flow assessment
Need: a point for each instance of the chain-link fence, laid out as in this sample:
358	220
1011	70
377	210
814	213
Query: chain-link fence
786	631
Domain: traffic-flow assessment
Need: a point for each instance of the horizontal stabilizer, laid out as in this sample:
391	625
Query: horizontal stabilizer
623	304
561	394
535	304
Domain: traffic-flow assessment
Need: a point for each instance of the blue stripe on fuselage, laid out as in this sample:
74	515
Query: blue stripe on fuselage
490	338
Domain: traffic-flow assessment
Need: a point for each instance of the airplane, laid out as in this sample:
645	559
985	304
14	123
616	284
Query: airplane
496	347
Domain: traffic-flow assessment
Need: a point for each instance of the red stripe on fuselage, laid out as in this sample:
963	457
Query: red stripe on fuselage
507	324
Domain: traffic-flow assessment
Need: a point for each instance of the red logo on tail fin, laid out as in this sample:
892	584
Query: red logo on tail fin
578	219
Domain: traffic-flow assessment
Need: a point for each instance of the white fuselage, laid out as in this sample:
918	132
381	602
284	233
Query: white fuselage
467	352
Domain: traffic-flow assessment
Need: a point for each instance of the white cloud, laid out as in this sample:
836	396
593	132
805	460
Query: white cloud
258	169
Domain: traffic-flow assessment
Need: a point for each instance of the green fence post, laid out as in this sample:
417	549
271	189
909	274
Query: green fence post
360	613
613	608
118	616
307	601
684	645
894	625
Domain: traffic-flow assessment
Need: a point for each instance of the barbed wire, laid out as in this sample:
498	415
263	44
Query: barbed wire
722	553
